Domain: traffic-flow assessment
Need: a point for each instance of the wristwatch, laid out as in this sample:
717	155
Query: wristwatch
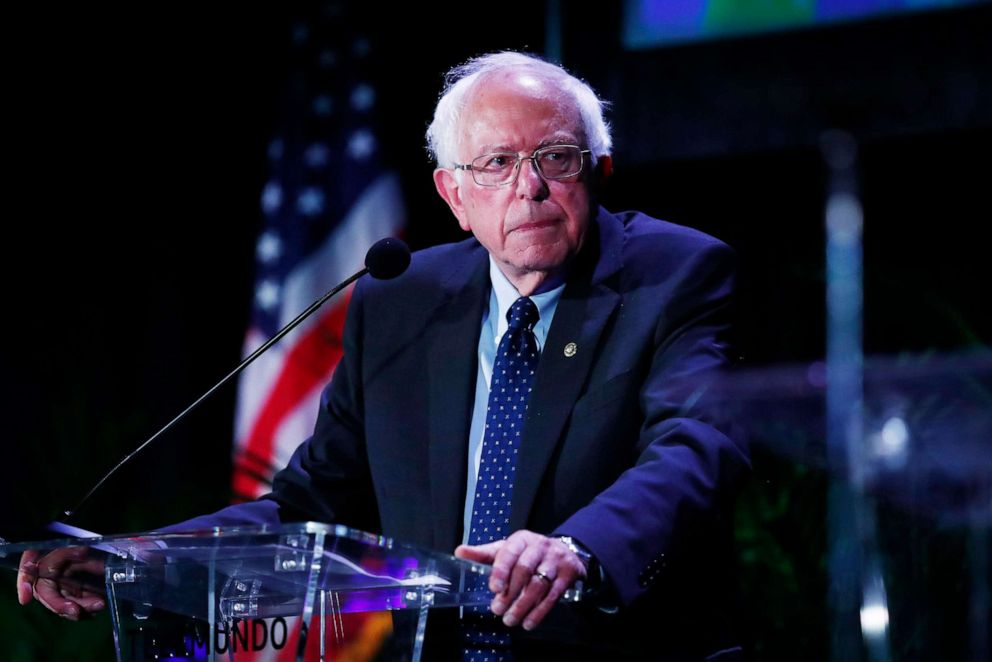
594	587
593	571
576	548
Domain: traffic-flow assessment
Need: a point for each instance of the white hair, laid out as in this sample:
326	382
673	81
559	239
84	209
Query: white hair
442	134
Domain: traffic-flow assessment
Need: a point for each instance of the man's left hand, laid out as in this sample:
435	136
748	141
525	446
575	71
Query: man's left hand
530	573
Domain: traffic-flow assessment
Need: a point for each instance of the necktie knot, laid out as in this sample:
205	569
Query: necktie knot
522	314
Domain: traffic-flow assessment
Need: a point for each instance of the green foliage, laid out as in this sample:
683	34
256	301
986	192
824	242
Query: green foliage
33	634
780	537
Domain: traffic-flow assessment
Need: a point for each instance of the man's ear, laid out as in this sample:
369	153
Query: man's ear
602	172
449	188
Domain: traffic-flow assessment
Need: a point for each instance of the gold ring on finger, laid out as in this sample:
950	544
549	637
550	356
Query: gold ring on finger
541	575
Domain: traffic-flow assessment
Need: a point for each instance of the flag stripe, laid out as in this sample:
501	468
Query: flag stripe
308	363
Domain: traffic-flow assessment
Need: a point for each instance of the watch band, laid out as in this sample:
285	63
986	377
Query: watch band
595	586
594	574
576	548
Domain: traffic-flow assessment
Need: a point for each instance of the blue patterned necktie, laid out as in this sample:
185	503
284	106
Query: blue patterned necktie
509	393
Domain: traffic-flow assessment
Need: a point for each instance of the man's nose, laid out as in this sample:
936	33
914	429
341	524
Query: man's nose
530	182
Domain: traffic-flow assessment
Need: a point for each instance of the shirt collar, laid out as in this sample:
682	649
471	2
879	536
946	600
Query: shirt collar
506	294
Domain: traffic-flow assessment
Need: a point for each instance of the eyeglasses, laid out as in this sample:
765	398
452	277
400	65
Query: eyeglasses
501	168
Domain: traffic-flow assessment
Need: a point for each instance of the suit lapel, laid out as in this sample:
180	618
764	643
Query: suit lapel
452	370
586	305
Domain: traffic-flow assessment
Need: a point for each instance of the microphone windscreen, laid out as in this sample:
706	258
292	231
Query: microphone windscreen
387	258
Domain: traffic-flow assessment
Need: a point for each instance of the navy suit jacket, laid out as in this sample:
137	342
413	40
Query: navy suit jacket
618	449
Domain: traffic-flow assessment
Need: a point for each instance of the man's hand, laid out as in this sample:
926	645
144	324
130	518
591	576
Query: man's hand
67	581
530	572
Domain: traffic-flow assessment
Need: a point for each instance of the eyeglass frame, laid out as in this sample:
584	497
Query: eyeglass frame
520	159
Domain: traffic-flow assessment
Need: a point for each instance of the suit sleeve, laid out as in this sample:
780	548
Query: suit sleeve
328	477
658	512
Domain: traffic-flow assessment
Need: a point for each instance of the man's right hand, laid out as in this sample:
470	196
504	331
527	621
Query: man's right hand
68	581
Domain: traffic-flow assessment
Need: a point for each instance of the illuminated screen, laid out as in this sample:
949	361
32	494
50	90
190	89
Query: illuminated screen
652	23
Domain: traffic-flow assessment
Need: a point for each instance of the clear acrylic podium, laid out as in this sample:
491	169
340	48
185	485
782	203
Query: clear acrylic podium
261	593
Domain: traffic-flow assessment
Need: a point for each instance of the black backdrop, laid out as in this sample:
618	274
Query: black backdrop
136	161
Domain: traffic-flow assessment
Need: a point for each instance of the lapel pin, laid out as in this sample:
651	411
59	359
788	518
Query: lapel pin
570	349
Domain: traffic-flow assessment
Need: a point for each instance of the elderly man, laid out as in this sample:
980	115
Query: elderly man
529	397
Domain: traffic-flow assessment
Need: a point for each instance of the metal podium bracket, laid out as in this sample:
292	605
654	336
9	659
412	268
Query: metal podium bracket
126	573
294	557
239	599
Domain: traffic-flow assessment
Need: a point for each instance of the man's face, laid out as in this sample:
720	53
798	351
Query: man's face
533	225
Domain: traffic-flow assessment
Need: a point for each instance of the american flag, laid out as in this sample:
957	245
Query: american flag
328	198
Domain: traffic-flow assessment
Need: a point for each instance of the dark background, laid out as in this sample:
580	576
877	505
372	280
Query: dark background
136	159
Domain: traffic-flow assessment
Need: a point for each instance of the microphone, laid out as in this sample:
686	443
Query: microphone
386	259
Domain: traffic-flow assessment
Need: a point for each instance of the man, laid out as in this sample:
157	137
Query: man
562	443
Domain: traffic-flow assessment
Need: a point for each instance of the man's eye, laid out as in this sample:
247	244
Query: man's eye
497	162
558	155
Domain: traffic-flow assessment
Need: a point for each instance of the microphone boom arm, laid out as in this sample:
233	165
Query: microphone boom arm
241	366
